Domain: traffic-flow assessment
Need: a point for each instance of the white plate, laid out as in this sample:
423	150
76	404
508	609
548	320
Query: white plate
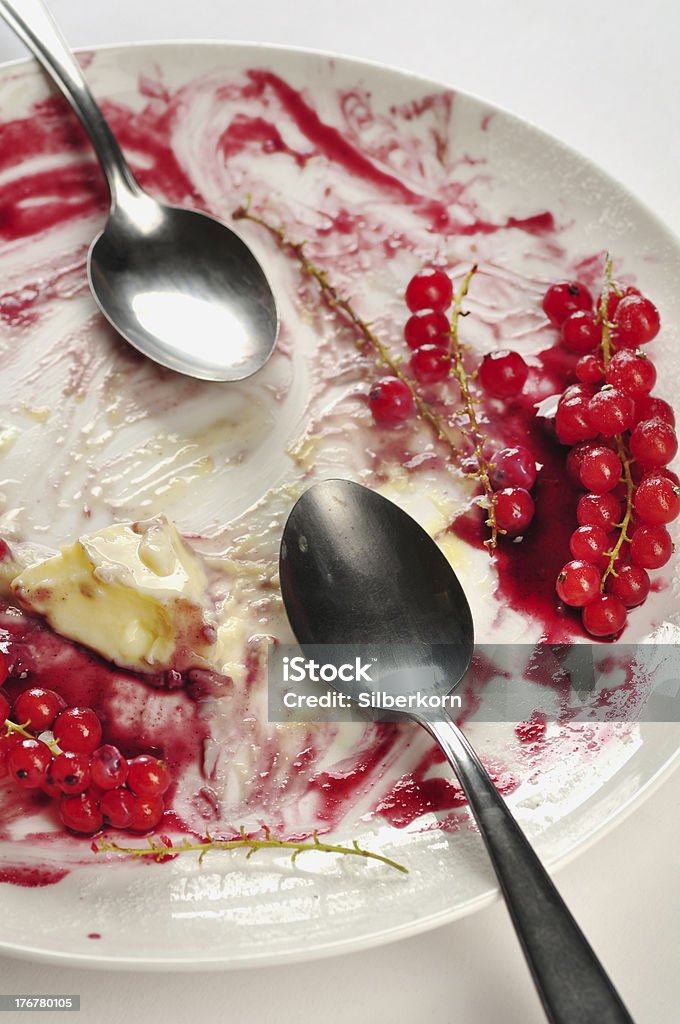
228	913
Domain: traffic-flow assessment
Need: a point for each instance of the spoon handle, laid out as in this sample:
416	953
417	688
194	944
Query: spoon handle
571	981
34	25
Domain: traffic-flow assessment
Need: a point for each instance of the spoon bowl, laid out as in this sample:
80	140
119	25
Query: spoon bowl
180	286
414	614
356	569
184	290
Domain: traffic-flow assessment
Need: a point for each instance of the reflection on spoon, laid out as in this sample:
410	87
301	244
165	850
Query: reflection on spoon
181	319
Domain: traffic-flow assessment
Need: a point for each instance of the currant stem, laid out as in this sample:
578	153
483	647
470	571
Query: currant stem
607	287
336	301
623	528
22	730
158	851
621	447
476	435
367	335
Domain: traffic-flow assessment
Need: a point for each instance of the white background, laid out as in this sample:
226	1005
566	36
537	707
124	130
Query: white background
604	77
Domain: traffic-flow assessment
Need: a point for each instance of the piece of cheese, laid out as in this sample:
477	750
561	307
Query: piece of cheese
134	592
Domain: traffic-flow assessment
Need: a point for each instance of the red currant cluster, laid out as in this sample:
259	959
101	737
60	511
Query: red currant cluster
511	472
428	334
621	439
512	475
94	783
427	331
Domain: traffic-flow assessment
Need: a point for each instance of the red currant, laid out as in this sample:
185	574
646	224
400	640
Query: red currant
602	510
428	327
605	616
667	473
6	744
147	776
109	767
391	402
28	761
503	373
631	585
650	408
617	293
578	582
581	332
514	509
600	469
572	421
574	459
38	708
632	372
147	813
564	298
431	363
589	544
513	467
81	813
611	411
4	708
636	321
71	772
430	288
651	547
117	806
49	786
653	443
580	391
590	369
78	730
657	500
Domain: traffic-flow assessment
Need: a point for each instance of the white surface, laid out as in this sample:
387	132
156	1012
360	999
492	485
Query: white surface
583	73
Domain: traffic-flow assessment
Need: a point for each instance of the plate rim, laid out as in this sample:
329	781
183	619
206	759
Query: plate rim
408	929
339	947
349	59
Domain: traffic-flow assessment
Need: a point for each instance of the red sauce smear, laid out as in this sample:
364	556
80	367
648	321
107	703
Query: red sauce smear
32	877
527	569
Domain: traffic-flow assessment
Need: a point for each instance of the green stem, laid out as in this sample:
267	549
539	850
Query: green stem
159	851
475	433
621	447
623	527
608	286
337	301
366	335
22	730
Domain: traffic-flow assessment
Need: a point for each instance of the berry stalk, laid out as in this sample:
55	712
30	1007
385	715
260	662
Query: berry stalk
476	435
621	448
366	335
22	730
165	849
623	537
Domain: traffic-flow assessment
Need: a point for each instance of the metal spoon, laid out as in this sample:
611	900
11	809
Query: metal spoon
357	569
178	285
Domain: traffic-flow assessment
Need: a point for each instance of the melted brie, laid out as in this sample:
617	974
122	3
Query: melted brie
134	592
